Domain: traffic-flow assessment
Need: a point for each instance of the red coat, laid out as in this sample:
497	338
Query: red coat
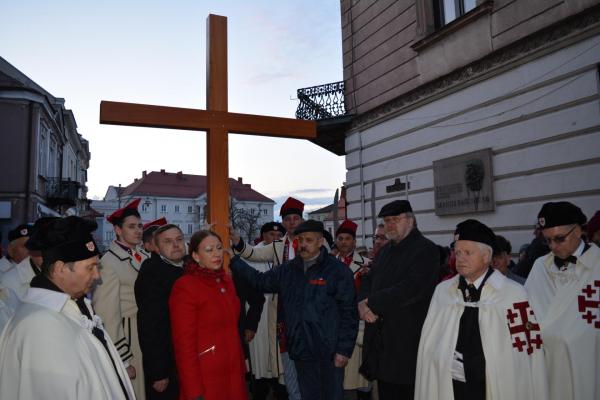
204	310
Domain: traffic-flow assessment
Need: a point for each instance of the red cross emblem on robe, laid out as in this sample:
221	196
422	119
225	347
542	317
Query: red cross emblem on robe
523	328
589	304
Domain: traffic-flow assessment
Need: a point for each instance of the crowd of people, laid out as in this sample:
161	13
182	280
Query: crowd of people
301	314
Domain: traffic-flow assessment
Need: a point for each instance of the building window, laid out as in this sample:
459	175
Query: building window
176	209
43	149
252	211
109	235
163	208
447	11
190	229
265	211
190	209
144	207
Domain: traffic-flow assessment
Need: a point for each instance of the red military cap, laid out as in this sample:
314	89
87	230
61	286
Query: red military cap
159	222
121	213
292	206
347	227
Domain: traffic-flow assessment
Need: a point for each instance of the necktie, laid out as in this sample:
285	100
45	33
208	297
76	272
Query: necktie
472	294
562	262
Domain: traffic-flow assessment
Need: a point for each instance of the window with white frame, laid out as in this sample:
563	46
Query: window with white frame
144	207
177	209
163	208
190	229
190	209
265	211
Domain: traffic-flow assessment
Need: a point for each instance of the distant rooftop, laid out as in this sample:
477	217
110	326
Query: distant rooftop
177	184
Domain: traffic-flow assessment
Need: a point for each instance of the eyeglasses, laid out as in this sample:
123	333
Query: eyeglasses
558	238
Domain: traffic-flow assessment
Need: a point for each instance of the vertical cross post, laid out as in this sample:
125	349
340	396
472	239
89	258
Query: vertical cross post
217	161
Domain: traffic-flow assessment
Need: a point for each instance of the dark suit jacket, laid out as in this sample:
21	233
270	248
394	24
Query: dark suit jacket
399	288
152	289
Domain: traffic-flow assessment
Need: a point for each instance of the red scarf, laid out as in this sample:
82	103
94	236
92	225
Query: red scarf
347	259
191	267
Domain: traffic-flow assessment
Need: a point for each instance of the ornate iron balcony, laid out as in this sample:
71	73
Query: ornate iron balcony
320	102
61	191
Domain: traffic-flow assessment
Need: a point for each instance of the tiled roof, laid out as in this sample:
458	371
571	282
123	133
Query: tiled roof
169	184
323	210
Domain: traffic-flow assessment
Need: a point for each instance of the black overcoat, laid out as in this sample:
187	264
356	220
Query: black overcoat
399	288
152	289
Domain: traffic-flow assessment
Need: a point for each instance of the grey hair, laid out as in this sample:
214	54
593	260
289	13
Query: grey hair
485	248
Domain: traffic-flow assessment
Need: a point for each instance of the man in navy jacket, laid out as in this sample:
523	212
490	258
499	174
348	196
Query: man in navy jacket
317	295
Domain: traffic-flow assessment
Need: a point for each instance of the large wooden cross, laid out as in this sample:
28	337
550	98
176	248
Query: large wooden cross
216	121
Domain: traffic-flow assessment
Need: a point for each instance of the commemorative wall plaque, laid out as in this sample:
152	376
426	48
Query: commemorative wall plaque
464	184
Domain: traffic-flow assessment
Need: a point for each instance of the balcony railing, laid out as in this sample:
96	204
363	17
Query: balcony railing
62	191
320	102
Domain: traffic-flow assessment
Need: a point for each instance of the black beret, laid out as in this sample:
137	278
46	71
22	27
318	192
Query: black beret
396	207
34	243
310	226
272	226
67	239
475	231
560	213
23	230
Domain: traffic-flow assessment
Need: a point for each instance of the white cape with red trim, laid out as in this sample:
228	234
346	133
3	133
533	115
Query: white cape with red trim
48	351
511	343
567	305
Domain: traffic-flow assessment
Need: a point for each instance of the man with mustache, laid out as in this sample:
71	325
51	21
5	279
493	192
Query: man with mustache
316	292
278	252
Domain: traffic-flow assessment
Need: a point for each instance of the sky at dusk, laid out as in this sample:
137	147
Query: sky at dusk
154	52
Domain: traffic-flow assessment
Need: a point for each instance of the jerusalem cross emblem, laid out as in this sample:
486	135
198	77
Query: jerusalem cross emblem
523	328
589	304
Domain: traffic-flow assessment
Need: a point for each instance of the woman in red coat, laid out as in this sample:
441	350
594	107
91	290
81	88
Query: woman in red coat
204	310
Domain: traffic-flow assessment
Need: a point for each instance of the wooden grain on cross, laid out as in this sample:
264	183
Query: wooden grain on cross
215	120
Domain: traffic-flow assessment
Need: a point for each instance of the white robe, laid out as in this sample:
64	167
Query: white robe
47	351
353	379
567	305
5	265
8	305
512	372
19	278
264	351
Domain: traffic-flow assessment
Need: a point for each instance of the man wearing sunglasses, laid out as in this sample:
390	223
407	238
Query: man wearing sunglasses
564	290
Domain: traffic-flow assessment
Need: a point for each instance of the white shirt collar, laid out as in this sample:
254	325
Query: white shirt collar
180	264
579	251
478	281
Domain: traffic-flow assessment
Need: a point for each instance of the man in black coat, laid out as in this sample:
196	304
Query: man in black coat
152	289
394	300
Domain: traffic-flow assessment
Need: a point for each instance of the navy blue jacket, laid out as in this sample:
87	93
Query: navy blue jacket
319	306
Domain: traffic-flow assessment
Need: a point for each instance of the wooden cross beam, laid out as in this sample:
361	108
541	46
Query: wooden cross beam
216	121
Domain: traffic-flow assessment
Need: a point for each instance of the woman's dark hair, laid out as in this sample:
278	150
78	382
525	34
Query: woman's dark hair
198	237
